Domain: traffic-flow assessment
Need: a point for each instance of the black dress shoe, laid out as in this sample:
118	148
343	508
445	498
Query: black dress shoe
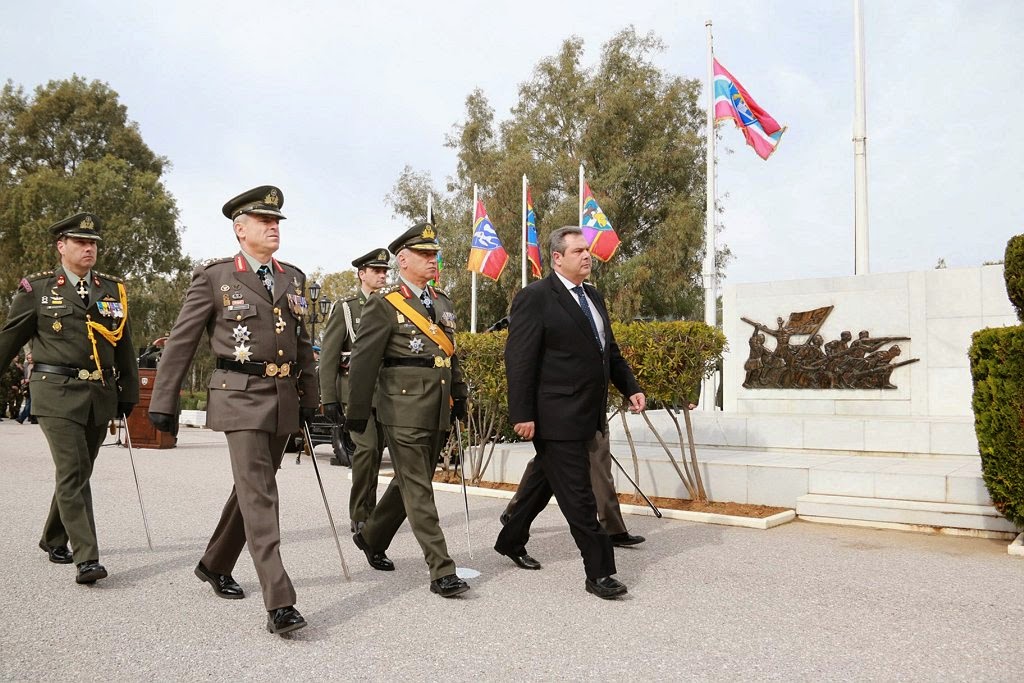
284	619
605	587
223	585
626	538
377	560
448	586
59	554
90	571
523	561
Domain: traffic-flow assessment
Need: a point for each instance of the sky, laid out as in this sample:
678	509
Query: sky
330	100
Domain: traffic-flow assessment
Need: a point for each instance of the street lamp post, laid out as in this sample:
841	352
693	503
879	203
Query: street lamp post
318	309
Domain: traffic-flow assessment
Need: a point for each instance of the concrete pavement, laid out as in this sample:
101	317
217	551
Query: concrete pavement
798	602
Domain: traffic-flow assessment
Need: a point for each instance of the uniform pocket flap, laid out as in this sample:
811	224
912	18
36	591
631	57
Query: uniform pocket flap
230	381
239	311
558	389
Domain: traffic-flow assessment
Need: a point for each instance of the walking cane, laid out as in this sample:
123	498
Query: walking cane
330	518
138	490
657	512
465	495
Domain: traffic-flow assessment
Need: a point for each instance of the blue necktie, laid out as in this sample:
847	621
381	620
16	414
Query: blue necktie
585	305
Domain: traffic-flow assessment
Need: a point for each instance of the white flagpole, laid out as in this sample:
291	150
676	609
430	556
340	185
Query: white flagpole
472	300
707	401
525	236
581	195
860	148
430	207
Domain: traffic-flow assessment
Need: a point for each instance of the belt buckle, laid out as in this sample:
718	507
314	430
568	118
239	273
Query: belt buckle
83	374
284	370
438	362
271	370
95	375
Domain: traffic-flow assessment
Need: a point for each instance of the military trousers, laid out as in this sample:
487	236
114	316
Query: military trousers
251	515
601	480
414	454
74	448
365	470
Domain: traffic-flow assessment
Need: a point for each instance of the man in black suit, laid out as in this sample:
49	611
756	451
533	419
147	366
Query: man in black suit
559	358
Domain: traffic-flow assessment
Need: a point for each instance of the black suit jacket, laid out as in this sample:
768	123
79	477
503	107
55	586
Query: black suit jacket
557	373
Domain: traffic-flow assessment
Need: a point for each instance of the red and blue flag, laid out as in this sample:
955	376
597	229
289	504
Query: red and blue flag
532	245
486	255
734	103
596	229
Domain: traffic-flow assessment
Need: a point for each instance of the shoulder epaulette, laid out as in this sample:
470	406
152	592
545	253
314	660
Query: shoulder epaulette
387	290
347	299
109	277
292	265
214	261
440	291
40	275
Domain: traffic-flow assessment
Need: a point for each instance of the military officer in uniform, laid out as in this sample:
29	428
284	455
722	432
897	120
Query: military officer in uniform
251	306
405	351
85	375
341	330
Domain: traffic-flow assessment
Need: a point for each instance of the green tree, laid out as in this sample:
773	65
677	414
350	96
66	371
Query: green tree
69	147
639	132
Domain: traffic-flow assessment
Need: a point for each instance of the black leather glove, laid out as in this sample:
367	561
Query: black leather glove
306	415
335	413
459	410
355	426
124	408
162	421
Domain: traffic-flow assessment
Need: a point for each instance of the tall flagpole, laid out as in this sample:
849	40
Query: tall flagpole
581	195
472	300
860	148
707	401
525	235
430	207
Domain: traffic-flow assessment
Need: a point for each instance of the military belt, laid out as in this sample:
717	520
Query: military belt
258	368
435	362
79	373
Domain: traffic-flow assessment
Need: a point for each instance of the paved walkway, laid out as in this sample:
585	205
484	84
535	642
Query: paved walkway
799	602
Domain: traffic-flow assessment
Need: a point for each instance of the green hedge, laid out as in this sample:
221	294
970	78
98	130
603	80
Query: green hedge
997	368
1013	271
668	358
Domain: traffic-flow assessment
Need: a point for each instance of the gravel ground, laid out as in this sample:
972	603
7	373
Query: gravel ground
799	602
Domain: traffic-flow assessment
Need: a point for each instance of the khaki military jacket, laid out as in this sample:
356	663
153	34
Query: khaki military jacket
335	352
406	396
47	311
228	301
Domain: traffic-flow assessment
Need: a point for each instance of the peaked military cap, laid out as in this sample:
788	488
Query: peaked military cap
265	199
378	258
420	237
84	226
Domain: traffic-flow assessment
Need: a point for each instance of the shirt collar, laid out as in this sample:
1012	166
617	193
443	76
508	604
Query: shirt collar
254	264
568	283
417	291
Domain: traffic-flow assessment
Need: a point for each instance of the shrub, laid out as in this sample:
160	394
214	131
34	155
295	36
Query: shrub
997	369
1013	272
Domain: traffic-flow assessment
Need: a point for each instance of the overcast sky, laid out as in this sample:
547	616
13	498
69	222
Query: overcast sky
329	100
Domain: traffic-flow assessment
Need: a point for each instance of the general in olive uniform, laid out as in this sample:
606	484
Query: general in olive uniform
339	334
85	375
251	306
405	352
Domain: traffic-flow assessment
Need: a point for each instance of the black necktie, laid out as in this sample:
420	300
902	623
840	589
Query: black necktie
83	291
268	282
427	303
581	295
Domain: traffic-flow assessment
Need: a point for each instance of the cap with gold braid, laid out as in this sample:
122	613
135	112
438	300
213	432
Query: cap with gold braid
420	237
378	258
266	200
84	226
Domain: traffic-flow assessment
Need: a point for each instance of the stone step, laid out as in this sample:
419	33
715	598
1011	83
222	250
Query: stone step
898	435
977	520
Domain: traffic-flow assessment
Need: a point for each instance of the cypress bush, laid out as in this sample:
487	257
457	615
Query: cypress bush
997	370
1013	272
